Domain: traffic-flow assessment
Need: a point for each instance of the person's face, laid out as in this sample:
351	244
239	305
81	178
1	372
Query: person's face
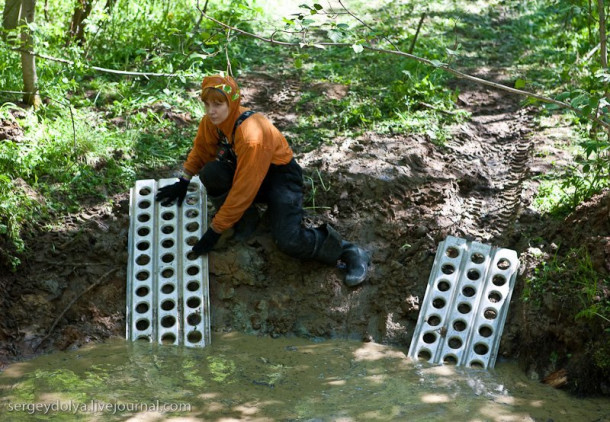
218	111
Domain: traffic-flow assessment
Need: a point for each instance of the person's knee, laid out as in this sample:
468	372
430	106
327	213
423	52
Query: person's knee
216	177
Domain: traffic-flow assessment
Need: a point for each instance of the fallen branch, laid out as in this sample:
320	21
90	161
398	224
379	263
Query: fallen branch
72	302
441	66
103	69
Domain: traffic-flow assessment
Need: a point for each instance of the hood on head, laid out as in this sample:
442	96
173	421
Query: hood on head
228	86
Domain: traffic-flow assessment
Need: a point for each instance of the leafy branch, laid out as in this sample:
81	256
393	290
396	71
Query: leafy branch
433	63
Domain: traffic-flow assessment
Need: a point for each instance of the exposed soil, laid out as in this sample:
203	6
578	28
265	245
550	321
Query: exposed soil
398	196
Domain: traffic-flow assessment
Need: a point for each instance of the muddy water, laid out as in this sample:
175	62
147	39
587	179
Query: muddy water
243	377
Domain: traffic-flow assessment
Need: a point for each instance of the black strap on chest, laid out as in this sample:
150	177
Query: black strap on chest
226	151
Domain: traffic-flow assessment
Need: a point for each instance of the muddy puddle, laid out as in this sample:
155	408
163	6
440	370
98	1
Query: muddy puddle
242	377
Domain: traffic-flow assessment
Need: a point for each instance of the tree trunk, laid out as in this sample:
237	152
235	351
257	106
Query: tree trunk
19	13
28	61
10	15
602	33
109	6
77	25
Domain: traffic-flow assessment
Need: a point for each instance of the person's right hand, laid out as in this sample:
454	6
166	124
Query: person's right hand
169	193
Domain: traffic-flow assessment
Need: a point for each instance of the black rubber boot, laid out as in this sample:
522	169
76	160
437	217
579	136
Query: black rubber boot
328	245
357	262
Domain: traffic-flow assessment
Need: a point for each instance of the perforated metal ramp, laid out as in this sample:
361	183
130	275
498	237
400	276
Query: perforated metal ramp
466	303
167	285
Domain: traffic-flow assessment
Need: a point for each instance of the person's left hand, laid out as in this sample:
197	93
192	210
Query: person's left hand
207	242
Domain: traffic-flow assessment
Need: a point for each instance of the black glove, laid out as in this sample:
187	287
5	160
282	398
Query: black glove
207	242
169	193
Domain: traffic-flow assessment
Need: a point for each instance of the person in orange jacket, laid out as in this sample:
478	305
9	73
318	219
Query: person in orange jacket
242	159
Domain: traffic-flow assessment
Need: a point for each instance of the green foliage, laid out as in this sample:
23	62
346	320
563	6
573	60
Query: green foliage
560	276
387	93
97	132
562	61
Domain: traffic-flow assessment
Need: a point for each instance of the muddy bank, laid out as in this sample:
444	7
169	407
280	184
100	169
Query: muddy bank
398	196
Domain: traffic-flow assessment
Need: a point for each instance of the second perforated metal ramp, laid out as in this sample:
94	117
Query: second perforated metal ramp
466	303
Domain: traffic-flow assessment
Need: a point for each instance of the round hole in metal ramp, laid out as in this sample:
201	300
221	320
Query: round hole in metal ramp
194	337
167	215
192	227
167	243
434	320
192	213
438	303
459	325
168	321
473	275
464	308
469	291
443	285
168	305
142	324
498	280
142	308
429	338
168	288
145	191
193	302
142	246
191	240
192	187
494	297
143	231
168	338
144	204
455	342
143	339
490	313
504	264
167	273
448	269
191	256
193	319
142	291
167	258
450	360
481	349
452	252
486	331
476	364
192	286
192	270
477	258
167	229
143	218
192	200
142	259
424	354
142	275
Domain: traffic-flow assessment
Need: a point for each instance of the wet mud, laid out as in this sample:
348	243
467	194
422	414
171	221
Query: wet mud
398	196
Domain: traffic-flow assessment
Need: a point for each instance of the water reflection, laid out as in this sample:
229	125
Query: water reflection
261	379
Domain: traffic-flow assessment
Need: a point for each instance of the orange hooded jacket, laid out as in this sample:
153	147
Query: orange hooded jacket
257	144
